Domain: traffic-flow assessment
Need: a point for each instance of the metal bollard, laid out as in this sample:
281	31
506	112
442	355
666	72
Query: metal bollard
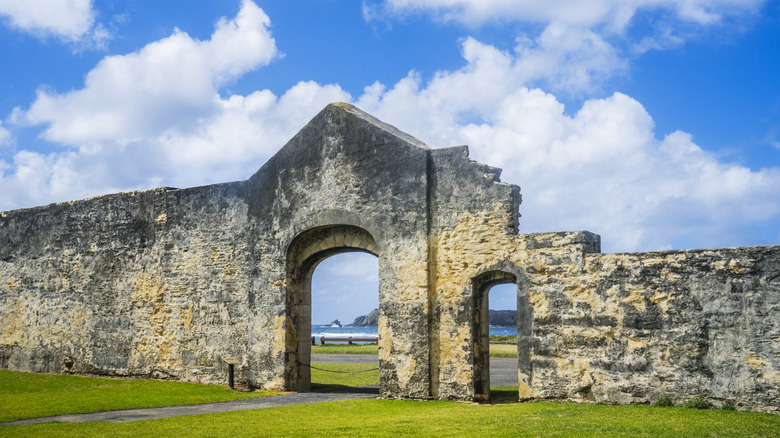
231	361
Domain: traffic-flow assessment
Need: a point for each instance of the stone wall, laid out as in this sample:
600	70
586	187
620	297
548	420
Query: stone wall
142	283
624	328
167	282
615	328
347	168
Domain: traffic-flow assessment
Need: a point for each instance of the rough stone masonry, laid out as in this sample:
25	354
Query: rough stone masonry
168	282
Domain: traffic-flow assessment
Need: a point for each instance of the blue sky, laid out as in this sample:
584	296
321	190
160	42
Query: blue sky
655	123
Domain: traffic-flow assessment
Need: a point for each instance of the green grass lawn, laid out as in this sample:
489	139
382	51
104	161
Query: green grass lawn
358	374
29	395
503	350
345	349
496	350
434	418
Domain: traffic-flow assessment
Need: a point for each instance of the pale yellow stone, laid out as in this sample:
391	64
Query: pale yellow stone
755	362
636	297
662	299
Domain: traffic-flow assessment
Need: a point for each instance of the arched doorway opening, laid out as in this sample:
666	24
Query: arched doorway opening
482	285
304	254
344	305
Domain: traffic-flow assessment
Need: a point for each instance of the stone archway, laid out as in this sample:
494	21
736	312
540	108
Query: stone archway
481	285
305	252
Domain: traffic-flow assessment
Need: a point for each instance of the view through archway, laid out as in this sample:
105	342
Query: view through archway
304	254
344	315
502	305
495	340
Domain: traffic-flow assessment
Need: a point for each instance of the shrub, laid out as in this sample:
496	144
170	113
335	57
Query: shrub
663	400
701	401
728	405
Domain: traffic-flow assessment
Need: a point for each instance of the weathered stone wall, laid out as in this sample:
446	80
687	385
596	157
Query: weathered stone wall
168	282
347	168
473	223
617	328
141	283
625	327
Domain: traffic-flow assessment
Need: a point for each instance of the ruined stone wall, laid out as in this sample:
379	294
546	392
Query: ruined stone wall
473	226
143	283
616	328
347	168
167	282
625	327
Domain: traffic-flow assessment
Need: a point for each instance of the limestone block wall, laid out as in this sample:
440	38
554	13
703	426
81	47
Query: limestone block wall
616	328
473	228
625	327
143	283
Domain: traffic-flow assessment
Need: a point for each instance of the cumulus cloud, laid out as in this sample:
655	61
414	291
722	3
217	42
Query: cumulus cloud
579	44
69	20
155	117
604	169
168	82
229	144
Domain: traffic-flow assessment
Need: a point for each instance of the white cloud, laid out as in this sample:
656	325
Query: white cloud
70	20
229	144
155	117
581	43
5	136
615	14
167	83
354	266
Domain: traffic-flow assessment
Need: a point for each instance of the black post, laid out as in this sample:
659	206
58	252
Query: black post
230	376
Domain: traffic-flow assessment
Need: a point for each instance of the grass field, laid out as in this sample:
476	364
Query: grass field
23	393
29	395
434	418
503	350
345	349
496	350
358	374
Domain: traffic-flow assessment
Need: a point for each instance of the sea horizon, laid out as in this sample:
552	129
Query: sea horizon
328	331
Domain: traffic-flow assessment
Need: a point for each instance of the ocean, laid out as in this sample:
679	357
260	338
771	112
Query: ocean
319	331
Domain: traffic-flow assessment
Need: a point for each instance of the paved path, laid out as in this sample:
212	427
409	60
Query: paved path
503	372
126	415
